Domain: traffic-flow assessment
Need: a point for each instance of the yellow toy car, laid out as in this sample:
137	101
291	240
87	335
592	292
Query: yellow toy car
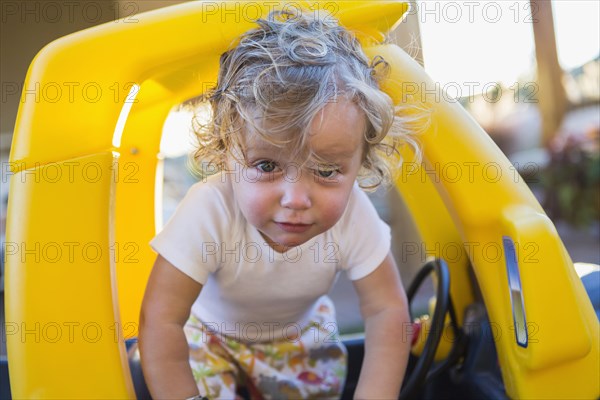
83	194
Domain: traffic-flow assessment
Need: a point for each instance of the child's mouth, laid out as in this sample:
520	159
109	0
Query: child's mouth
293	228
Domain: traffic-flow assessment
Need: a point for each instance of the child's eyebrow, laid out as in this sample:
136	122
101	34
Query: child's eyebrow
339	154
271	152
256	146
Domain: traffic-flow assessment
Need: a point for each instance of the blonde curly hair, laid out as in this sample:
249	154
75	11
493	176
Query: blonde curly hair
285	72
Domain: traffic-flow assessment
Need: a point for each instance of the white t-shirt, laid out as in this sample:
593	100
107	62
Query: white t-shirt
251	291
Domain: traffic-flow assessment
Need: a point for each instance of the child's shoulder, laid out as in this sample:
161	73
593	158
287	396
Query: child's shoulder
216	185
358	209
358	199
212	196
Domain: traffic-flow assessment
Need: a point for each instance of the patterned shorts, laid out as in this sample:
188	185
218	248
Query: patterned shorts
312	364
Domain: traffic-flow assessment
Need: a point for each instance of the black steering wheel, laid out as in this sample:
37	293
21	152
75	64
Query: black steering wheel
443	305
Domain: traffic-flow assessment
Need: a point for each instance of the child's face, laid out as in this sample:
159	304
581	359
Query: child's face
289	205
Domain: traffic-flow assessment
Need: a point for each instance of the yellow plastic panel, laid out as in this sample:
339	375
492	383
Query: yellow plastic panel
488	202
93	70
60	308
171	55
438	233
135	209
135	196
105	91
544	256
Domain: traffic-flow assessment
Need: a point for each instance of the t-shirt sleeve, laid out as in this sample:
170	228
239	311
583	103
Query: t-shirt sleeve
365	239
191	238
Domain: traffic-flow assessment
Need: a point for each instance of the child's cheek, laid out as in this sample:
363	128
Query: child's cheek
332	209
255	202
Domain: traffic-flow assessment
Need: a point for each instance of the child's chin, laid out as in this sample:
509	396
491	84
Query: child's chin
286	245
291	244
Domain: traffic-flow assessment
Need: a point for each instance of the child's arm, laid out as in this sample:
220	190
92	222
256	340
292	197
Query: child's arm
163	347
384	308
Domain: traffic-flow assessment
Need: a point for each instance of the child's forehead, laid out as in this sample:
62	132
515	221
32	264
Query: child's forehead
314	150
336	133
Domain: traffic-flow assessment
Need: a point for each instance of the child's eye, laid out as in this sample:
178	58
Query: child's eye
326	172
266	166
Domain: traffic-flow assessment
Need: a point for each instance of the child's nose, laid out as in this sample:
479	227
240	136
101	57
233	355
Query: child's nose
296	195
